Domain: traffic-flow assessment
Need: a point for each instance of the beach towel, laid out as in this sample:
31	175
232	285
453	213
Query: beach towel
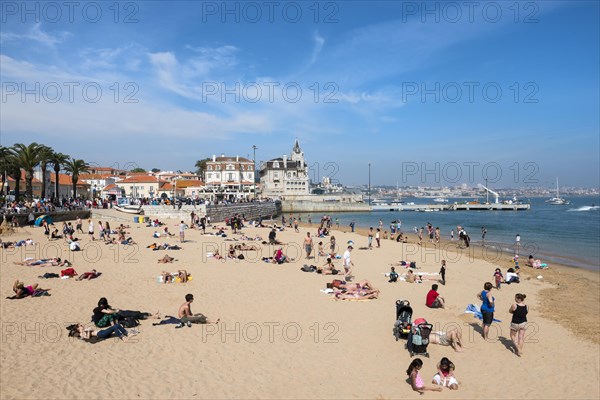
68	272
473	309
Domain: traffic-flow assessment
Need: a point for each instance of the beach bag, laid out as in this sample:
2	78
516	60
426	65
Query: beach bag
417	339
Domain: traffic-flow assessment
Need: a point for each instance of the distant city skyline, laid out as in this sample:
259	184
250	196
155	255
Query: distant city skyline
429	93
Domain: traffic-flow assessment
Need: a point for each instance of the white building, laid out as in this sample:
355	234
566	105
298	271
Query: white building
285	177
229	178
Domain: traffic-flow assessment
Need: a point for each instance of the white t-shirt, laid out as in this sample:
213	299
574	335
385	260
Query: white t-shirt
346	258
510	275
74	246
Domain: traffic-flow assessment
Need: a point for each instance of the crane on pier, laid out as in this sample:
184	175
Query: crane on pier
496	195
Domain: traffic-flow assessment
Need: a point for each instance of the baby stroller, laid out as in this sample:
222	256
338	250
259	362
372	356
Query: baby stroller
403	324
418	338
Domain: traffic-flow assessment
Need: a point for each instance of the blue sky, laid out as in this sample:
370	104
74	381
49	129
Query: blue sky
503	91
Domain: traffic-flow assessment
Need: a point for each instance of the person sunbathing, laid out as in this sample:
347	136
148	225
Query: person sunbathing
128	241
82	332
183	275
166	259
452	337
279	257
244	247
231	253
44	262
22	291
89	275
185	315
370	294
328	268
358	286
217	256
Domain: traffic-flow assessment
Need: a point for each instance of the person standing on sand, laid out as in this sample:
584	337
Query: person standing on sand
352	226
332	246
91	229
380	224
182	227
443	272
308	245
421	236
296	225
452	234
78	225
377	238
483	233
437	235
348	264
487	308
518	323
370	238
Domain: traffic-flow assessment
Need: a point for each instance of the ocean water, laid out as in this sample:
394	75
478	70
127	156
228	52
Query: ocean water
568	234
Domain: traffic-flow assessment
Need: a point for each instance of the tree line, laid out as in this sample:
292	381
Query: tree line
28	157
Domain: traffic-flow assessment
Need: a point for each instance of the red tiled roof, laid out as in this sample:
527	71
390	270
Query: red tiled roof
140	179
35	180
94	176
64	179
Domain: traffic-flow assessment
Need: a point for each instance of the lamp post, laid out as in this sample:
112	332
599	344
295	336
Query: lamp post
369	192
254	176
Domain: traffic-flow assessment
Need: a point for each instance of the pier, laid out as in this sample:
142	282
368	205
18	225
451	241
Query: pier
451	207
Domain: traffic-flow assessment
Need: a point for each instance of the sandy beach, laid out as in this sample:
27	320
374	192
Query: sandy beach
279	336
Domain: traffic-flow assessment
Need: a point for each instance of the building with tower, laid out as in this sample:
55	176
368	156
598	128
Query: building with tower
285	176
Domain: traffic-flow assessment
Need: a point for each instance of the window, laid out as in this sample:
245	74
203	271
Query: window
229	167
276	164
210	167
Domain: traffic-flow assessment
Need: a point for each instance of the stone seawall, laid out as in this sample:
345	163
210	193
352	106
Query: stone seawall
250	210
57	216
174	213
295	206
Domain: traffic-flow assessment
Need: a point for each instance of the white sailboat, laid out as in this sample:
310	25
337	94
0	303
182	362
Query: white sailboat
559	201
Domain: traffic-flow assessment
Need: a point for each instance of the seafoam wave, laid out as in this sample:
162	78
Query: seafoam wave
584	208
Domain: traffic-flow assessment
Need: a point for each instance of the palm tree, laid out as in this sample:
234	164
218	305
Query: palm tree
27	157
201	166
45	158
58	160
14	171
75	168
4	164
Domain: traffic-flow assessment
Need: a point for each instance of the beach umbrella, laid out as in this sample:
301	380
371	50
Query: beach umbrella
39	220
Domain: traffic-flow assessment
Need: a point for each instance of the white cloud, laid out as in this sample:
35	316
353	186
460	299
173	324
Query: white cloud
35	34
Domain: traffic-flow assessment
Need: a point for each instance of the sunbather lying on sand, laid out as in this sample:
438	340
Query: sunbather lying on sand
452	337
82	332
45	262
166	259
22	291
369	294
168	277
89	275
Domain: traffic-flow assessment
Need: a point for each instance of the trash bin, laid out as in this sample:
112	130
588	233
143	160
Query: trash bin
136	219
